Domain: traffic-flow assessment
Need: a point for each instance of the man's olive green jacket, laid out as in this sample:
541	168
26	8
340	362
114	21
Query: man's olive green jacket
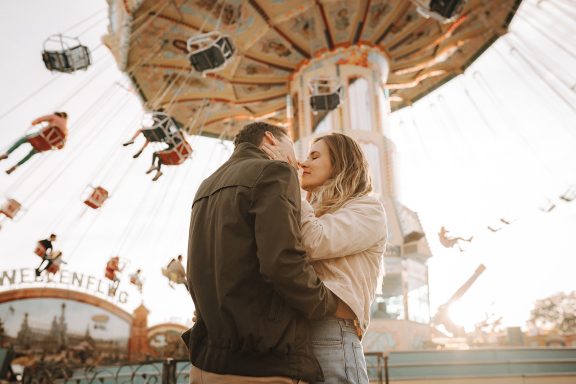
248	274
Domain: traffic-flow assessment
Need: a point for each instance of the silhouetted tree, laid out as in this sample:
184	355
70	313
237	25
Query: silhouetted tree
557	312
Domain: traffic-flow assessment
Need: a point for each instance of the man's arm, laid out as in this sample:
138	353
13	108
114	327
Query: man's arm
276	208
42	119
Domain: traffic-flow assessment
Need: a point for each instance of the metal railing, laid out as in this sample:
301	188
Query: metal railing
168	371
377	367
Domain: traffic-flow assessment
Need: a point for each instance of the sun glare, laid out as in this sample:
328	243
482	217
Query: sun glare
465	315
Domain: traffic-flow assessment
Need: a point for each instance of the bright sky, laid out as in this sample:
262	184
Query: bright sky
457	165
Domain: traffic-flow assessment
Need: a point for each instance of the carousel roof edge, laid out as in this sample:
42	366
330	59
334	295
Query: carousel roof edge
117	40
466	65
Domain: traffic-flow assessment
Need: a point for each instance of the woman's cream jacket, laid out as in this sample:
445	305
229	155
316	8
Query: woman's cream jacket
346	248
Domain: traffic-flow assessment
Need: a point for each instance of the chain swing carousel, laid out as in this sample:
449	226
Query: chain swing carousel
314	67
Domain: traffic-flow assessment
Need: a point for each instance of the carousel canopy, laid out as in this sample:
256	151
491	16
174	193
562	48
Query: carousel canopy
274	39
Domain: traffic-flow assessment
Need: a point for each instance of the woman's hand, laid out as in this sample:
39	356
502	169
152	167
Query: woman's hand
274	153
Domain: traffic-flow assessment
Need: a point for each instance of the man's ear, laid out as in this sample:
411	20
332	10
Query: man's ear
269	138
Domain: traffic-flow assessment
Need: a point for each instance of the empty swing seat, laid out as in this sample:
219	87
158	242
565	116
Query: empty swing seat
47	139
176	155
325	93
97	198
569	195
441	10
65	54
209	51
325	102
10	208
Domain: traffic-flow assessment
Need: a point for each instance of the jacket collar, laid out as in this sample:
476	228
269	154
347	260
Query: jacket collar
248	150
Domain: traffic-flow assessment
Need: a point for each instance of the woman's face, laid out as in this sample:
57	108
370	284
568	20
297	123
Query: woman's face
317	168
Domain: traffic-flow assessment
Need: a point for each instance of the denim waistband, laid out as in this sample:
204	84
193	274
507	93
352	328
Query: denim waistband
333	325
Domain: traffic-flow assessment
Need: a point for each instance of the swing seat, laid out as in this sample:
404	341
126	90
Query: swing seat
65	54
209	51
174	276
325	94
40	250
47	139
110	274
10	208
162	127
155	135
547	206
53	268
325	102
447	242
97	198
569	195
176	155
442	10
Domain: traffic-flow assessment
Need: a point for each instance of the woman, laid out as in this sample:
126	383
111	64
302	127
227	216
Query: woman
344	233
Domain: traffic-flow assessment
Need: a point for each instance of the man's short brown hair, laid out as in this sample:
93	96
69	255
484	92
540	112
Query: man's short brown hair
254	133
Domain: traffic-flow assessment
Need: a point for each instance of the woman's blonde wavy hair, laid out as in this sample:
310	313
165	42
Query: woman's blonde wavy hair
350	176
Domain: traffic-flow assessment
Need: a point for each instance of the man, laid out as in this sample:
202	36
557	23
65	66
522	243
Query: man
175	272
56	121
136	279
450	241
172	141
248	275
113	266
46	247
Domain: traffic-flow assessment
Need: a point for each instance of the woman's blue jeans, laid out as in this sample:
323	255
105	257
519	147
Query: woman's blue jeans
337	347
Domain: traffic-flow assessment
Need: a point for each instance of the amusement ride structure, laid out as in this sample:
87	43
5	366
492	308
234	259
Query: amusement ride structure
313	67
208	67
